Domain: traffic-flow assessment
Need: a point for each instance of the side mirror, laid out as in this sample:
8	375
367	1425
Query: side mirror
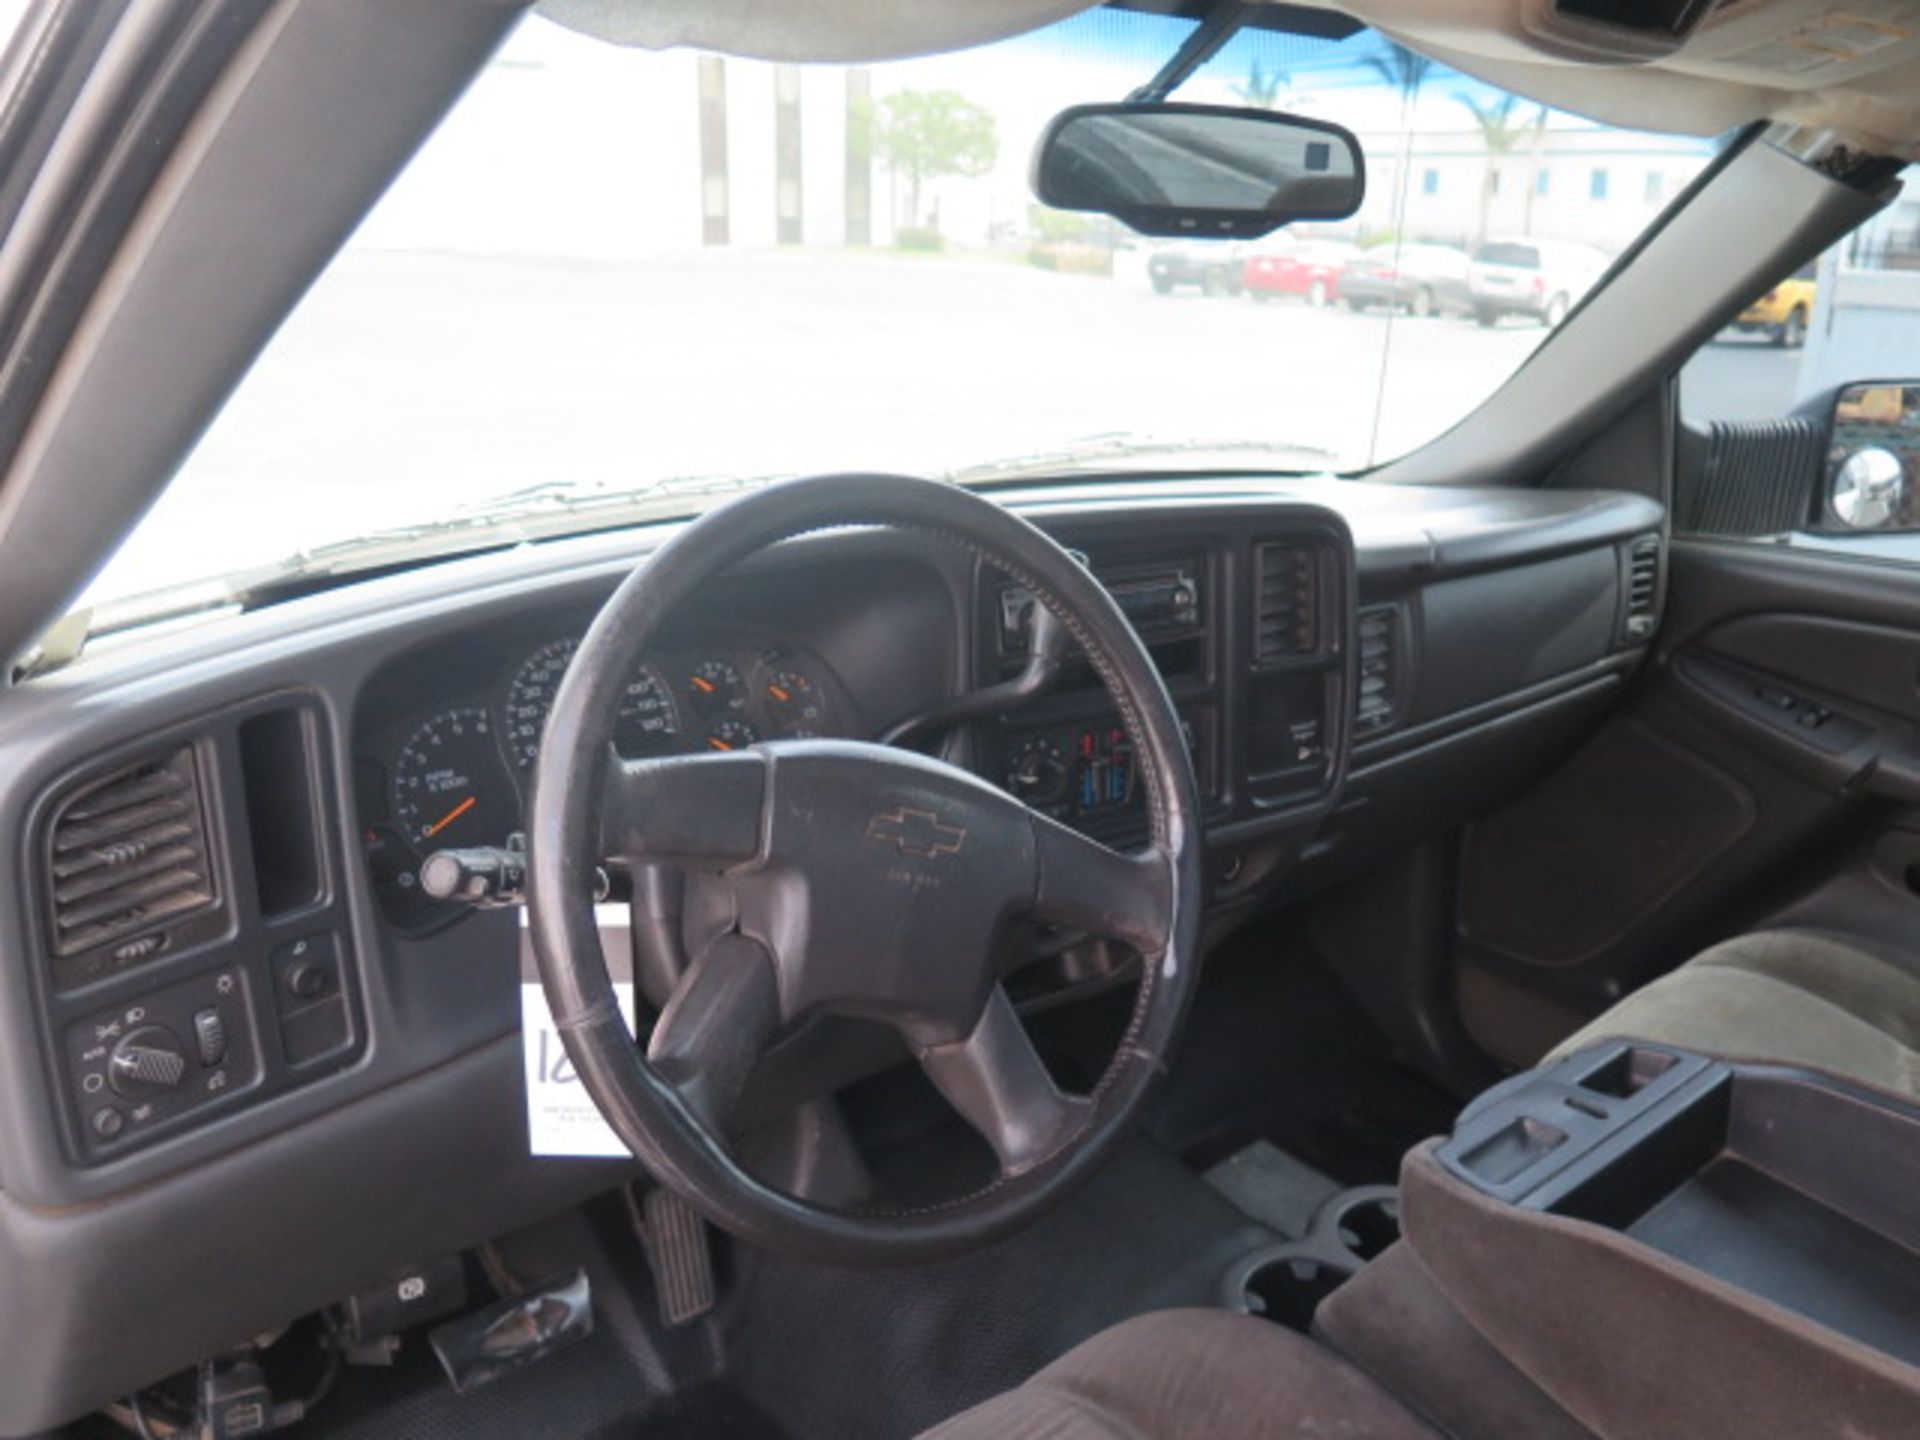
1873	457
1198	170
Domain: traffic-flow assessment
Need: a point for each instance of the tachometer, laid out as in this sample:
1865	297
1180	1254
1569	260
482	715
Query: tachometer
449	787
647	723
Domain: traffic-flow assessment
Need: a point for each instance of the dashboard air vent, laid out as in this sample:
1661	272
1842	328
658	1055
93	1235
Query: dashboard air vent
1286	602
1373	707
1643	588
129	854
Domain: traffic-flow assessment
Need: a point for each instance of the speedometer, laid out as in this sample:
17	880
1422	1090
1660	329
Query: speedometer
647	724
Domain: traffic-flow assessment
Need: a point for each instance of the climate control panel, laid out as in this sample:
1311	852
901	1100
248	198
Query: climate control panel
1084	773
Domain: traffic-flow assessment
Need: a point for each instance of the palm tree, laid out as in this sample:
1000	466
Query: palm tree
1403	69
1536	143
1263	88
1500	133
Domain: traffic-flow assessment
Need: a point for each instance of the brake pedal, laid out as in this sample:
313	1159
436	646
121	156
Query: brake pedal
680	1256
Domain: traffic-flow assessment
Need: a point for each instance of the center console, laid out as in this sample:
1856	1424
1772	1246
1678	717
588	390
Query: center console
1655	1242
1799	1191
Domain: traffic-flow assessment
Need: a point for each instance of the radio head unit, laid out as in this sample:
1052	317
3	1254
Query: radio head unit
1162	600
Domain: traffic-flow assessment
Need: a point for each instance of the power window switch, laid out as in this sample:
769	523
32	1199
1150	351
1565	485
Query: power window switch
210	1035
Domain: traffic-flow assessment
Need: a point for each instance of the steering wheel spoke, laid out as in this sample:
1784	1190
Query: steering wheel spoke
999	1085
723	1015
688	810
830	877
1084	885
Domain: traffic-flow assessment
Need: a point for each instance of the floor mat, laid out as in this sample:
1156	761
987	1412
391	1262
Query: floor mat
707	1412
880	1355
1272	1187
1277	1050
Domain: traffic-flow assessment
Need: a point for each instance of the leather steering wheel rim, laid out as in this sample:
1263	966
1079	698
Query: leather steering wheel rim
724	820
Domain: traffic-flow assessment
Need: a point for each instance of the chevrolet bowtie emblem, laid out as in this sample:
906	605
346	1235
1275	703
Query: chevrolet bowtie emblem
917	832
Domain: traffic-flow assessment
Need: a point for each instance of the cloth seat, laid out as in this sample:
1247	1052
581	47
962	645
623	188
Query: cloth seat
1192	1375
1840	1003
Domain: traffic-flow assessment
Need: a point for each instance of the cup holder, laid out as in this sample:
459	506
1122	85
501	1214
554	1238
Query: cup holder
1287	1287
1365	1221
1286	1283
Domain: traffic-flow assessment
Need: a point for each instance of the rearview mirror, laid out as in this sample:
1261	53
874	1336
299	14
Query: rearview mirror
1198	170
1873	457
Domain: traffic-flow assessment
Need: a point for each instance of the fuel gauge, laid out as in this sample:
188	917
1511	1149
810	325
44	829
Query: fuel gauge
717	689
794	704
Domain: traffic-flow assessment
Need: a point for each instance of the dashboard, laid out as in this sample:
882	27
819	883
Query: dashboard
448	751
254	1023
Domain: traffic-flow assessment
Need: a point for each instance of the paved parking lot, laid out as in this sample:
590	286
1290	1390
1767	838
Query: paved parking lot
1738	377
411	383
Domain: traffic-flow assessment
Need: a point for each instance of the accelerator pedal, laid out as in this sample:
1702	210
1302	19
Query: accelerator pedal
680	1255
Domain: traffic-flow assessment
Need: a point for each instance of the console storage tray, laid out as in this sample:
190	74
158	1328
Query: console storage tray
1799	1189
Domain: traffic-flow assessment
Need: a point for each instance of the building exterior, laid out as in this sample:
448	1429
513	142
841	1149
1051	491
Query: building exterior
1563	181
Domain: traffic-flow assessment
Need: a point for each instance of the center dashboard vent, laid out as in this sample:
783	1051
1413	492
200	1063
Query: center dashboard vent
1286	602
1374	705
128	856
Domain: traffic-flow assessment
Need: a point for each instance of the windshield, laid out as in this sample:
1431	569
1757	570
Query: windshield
612	268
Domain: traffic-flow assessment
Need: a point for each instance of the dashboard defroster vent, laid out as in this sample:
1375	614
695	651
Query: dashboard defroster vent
128	855
1374	705
1643	589
1286	602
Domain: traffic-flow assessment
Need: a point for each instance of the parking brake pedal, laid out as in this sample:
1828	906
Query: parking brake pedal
675	1237
513	1333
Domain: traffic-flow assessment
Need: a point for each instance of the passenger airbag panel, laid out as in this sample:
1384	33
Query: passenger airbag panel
1489	635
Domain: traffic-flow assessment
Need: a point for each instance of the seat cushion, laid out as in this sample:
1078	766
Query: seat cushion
1192	1375
1839	1003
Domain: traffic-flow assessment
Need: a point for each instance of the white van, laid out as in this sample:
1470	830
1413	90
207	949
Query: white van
1525	276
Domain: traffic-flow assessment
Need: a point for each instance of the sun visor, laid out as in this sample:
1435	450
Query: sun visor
801	30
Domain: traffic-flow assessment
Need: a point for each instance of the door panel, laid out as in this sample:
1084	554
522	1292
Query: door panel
1761	774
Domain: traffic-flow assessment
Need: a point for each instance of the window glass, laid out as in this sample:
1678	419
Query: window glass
1853	314
614	269
11	14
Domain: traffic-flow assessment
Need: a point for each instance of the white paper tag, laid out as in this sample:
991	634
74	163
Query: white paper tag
562	1119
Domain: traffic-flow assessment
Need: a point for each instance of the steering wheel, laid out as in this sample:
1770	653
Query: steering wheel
855	879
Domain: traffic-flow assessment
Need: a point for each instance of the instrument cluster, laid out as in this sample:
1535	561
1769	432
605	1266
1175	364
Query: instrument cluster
458	775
